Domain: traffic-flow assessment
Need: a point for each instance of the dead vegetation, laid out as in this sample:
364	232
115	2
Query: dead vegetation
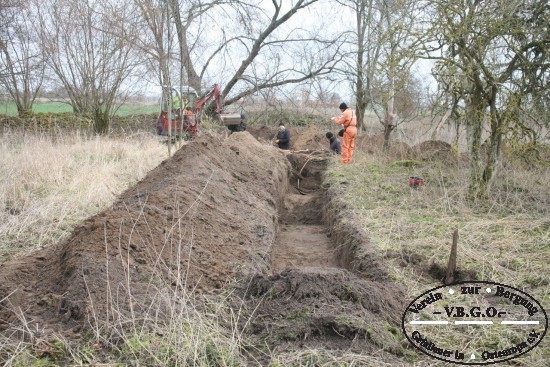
504	239
201	208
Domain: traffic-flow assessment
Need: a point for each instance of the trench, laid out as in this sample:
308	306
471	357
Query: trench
327	286
315	232
303	239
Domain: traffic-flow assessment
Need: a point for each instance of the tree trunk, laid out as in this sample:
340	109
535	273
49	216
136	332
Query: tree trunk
360	104
495	142
388	122
167	100
101	121
22	111
388	128
493	159
193	77
17	88
474	122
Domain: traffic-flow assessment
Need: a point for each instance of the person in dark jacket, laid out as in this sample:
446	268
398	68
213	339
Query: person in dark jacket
283	137
335	144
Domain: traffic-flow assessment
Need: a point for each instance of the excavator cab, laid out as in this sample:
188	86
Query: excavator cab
181	111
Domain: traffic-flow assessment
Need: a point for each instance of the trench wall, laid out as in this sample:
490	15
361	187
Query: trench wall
352	244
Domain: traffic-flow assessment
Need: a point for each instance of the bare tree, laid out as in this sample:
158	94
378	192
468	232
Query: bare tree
156	41
86	45
399	42
492	58
313	56
20	56
185	14
384	53
396	100
367	49
271	56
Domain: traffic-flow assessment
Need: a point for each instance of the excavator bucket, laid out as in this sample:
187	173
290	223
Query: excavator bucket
230	118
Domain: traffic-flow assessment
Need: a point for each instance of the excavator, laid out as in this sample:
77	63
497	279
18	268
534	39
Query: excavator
186	112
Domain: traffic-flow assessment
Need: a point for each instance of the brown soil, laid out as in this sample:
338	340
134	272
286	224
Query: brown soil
311	138
216	211
214	203
435	150
319	294
372	144
438	272
323	308
302	241
433	271
264	134
302	246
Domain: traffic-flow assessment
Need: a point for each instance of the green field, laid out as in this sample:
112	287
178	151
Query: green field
9	108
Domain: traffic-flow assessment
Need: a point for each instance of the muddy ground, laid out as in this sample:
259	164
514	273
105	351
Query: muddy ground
221	211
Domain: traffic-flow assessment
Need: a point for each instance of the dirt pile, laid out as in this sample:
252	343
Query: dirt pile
199	219
263	133
375	144
311	138
434	150
217	211
331	309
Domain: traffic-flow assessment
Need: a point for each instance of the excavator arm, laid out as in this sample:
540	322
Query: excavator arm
234	122
188	119
205	98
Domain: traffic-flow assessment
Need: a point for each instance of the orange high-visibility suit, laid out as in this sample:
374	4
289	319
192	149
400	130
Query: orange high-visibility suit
349	122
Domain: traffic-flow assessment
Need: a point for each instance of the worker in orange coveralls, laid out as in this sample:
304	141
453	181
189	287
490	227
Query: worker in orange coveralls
349	123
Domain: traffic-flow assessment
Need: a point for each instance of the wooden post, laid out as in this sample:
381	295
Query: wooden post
451	267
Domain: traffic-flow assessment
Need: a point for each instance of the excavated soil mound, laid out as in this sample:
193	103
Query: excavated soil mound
263	133
434	150
199	219
218	211
311	138
331	308
375	144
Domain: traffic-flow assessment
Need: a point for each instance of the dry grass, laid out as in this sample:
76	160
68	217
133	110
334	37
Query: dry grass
327	358
168	325
51	182
504	240
171	331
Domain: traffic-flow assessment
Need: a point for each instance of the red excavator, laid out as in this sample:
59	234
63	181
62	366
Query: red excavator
186	112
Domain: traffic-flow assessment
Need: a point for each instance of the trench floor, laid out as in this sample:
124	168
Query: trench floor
302	246
302	240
